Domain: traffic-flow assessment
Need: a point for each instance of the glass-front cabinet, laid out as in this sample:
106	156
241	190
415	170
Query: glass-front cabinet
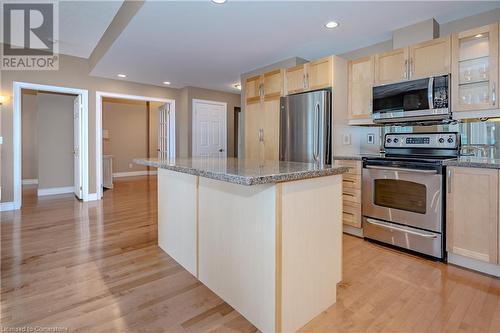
475	69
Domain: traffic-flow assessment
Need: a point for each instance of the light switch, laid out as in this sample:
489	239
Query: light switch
346	139
370	138
1	140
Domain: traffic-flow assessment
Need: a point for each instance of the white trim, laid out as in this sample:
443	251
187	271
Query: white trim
193	127
17	91
6	206
55	190
134	173
476	265
30	181
92	197
98	127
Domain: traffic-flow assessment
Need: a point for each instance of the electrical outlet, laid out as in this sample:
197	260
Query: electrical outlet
130	165
346	139
370	138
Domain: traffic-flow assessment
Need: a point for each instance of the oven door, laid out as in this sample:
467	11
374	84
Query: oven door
402	195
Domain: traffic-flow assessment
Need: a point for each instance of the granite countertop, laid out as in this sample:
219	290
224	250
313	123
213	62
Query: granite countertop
474	162
243	172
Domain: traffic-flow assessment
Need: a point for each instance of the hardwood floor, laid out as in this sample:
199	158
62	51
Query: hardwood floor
95	267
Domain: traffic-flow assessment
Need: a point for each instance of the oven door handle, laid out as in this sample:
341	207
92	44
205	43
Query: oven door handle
387	226
428	172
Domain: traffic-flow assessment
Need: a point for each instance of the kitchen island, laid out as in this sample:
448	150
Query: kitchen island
264	236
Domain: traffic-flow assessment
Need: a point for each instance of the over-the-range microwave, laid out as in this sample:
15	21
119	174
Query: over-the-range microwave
420	100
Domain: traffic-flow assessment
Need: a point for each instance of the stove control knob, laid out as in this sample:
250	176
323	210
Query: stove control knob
389	140
450	140
441	140
396	140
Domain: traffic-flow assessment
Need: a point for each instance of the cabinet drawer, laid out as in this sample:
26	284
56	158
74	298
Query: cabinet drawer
351	181
354	166
352	196
352	214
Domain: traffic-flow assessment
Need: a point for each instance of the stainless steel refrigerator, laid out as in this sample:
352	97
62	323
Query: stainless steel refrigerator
305	127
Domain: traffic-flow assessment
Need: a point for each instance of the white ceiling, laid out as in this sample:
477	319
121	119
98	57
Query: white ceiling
208	45
82	24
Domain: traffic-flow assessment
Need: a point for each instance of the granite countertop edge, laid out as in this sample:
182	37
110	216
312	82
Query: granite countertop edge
474	162
247	180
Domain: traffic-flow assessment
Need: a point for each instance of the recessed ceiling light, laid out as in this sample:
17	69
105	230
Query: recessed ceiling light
122	75
331	24
219	1
237	86
478	35
166	82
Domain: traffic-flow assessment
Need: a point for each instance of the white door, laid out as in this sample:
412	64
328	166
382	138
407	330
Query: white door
77	154
209	128
166	132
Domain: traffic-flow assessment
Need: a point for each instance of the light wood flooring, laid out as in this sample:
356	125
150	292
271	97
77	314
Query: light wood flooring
95	267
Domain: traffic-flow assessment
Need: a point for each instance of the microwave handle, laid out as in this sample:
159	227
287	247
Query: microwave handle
430	93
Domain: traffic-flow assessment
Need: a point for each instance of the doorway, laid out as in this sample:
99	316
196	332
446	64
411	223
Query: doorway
209	128
158	130
77	113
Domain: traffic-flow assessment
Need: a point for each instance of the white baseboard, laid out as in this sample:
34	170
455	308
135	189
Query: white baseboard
6	206
353	231
55	190
91	197
134	173
30	181
476	265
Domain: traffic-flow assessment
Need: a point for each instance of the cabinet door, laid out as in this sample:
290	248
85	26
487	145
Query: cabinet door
391	66
472	213
273	84
253	89
270	126
475	69
252	127
295	79
319	74
361	77
430	58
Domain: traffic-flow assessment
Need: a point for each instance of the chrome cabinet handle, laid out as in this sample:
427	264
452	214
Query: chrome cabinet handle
391	226
449	181
411	68
307	80
429	172
304	84
494	94
261	135
406	69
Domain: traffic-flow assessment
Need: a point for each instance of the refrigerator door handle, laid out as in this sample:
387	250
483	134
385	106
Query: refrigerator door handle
316	132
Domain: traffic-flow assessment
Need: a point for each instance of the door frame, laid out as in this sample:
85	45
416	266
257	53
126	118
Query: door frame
17	127
194	116
98	124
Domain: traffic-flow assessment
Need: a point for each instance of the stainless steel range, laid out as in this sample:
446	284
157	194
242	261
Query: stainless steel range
404	191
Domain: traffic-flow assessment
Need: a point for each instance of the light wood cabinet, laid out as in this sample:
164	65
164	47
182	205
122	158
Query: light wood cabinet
391	66
262	116
253	89
475	69
361	79
351	192
472	213
319	74
295	79
430	58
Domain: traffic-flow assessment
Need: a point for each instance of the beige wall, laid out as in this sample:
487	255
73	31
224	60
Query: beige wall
29	120
55	140
128	128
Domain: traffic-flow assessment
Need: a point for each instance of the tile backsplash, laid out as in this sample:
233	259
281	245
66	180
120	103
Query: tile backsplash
480	138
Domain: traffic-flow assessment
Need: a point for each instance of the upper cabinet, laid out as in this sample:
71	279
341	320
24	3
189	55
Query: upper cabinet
272	84
430	58
361	78
253	89
421	60
475	69
391	66
310	76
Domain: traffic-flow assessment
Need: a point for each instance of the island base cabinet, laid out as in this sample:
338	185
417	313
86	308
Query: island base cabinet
177	217
273	252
